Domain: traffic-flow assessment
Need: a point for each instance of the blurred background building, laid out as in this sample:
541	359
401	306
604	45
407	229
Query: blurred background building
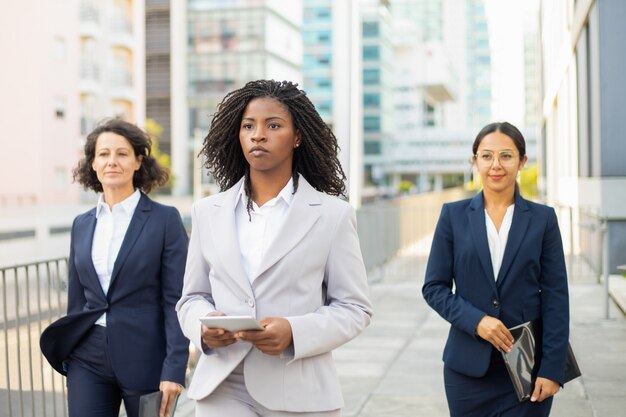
66	65
404	84
583	140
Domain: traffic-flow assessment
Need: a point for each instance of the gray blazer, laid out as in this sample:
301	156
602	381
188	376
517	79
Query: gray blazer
313	275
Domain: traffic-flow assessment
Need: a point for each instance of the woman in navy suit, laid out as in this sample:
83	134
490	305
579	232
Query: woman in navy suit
121	338
497	261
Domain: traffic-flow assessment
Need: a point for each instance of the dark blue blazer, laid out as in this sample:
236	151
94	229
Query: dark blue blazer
531	284
146	343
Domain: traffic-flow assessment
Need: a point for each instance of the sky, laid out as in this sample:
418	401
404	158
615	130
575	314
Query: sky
506	19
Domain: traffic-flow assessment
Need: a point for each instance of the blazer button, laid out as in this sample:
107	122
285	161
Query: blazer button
250	302
496	303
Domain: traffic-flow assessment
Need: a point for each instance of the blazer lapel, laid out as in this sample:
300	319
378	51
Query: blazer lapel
142	212
301	217
82	247
521	219
478	227
224	233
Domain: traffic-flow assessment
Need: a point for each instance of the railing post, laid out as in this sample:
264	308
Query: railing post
18	340
6	340
571	243
605	265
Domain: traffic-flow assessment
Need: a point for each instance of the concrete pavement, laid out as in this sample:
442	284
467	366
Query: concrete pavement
394	368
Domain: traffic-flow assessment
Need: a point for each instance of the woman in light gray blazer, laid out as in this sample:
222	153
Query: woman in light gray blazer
277	245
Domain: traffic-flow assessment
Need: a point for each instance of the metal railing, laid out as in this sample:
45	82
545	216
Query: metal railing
587	235
387	227
33	295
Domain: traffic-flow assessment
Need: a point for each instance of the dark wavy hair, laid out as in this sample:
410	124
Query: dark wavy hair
316	157
502	127
149	175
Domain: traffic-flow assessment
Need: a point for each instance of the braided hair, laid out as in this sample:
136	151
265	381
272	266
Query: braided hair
316	157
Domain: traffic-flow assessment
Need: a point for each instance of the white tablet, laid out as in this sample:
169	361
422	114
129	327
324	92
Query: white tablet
232	323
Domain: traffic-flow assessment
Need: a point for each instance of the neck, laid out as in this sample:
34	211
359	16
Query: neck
113	196
498	199
265	187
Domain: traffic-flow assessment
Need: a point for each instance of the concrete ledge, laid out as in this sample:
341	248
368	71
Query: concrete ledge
617	291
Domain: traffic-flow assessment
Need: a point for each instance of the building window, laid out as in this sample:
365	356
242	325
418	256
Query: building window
323	37
371	101
371	76
371	123
61	179
59	108
371	147
370	30
371	53
323	83
317	14
60	49
324	60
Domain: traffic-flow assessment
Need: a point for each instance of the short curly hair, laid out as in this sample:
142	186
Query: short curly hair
149	175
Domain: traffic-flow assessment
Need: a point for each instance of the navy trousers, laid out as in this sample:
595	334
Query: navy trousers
492	395
92	387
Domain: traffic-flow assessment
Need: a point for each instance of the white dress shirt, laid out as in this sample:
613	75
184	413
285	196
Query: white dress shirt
257	230
497	240
111	227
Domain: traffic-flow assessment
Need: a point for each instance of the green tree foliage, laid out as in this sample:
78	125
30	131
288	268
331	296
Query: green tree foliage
528	182
155	130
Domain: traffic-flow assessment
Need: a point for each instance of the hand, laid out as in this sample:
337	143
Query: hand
495	332
544	388
215	337
273	339
170	390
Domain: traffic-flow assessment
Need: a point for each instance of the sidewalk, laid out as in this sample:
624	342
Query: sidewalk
394	368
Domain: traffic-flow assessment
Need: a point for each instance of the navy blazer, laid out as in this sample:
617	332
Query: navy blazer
531	284
146	343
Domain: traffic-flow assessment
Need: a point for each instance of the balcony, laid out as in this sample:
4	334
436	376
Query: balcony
435	73
89	77
121	30
120	81
89	12
89	26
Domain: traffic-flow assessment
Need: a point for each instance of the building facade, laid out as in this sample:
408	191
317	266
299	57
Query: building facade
71	64
227	44
583	171
158	69
377	78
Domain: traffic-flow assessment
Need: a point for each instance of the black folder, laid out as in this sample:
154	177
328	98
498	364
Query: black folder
524	359
149	404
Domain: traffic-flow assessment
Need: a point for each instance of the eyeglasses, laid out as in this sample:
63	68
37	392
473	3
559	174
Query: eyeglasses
505	158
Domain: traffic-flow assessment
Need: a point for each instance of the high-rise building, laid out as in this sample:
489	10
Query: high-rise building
331	32
478	75
227	44
68	65
377	78
158	69
112	61
317	68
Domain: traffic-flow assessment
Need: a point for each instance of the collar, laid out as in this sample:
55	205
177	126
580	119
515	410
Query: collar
128	205
287	193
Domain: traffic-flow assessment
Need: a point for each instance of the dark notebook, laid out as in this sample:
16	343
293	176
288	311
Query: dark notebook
149	405
524	359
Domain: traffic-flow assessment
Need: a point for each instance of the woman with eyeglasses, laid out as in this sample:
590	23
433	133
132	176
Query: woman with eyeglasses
496	262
